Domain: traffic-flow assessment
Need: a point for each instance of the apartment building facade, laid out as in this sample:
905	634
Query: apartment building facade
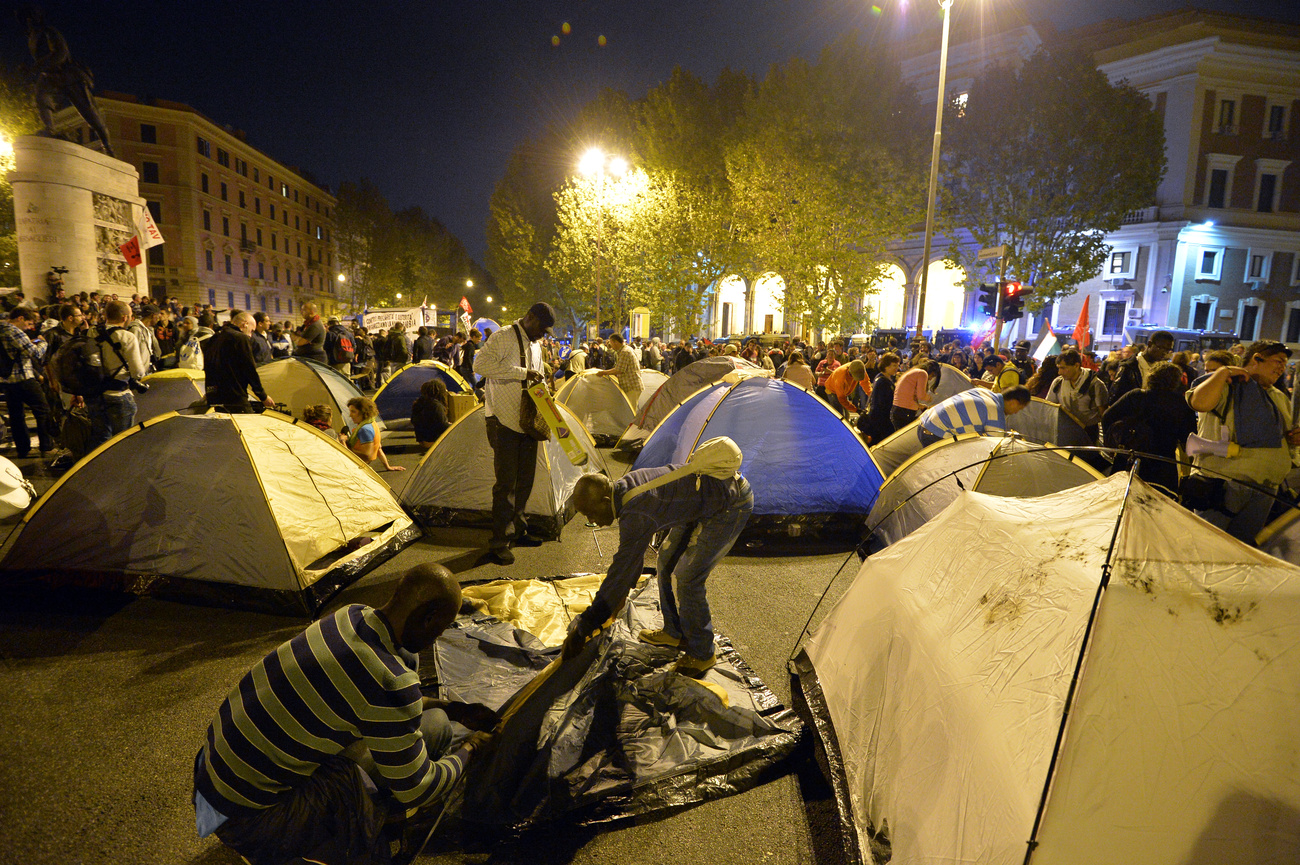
243	231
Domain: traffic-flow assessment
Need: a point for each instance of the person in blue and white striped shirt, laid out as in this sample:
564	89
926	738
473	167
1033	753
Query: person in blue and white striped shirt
978	410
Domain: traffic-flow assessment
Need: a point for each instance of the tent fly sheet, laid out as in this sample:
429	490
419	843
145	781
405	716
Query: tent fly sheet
399	393
169	390
679	387
281	517
298	383
599	403
1091	676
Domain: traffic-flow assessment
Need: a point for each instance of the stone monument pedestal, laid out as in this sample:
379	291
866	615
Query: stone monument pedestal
75	208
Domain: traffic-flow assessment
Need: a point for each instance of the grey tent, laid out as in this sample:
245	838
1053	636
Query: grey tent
253	510
452	485
598	403
997	465
681	386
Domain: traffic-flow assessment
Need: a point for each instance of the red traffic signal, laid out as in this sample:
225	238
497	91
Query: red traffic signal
1013	299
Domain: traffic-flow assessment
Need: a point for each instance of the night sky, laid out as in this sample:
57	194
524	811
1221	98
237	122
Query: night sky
429	98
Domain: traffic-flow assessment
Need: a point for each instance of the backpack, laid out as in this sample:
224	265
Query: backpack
79	366
364	352
397	351
338	346
718	458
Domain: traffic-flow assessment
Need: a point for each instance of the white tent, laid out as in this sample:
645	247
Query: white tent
651	381
1004	687
599	404
16	493
997	465
452	485
248	509
298	383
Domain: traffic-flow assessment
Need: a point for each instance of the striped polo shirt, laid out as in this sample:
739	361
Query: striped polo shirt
977	410
343	679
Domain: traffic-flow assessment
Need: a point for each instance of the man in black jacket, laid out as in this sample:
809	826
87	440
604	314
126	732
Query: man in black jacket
230	368
262	352
1134	372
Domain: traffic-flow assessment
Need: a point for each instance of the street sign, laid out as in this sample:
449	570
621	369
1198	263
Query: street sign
991	252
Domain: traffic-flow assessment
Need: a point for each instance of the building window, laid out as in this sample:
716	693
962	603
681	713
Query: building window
248	301
272	206
270	181
208	254
1250	318
273	240
203	182
148	133
1220	168
1258	265
241	199
223	158
295	196
318	233
261	301
224	195
284	190
228	271
1268	176
1201	314
259	237
1112	319
257	179
149	172
230	300
1293	325
241	167
277	304
245	268
156	255
1227	117
1120	262
225	225
298	244
291	304
212	297
257	205
1275	121
207	220
243	231
204	147
275	275
285	214
261	270
1210	263
155	210
300	279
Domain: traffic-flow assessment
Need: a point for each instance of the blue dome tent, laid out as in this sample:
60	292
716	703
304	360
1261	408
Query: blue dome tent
395	398
486	326
806	465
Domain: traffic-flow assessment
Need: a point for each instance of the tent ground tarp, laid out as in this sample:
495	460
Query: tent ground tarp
281	517
623	735
1094	676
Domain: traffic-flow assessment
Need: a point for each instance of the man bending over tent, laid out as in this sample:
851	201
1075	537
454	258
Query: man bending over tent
979	411
294	753
703	516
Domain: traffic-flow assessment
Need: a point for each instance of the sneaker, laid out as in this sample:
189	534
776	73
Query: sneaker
502	556
695	668
659	638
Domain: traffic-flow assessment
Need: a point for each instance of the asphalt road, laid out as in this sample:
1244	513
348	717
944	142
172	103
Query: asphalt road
107	698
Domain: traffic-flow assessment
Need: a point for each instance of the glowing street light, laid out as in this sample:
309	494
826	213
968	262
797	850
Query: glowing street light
597	164
489	298
342	278
399	295
469	283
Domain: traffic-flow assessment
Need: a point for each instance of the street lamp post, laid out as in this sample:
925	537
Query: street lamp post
946	5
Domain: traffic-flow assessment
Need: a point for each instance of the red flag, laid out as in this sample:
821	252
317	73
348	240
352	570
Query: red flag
131	250
464	304
1082	334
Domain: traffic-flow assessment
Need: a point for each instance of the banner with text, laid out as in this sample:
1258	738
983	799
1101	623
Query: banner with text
412	318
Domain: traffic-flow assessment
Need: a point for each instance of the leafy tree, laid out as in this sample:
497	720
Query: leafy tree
1048	158
826	176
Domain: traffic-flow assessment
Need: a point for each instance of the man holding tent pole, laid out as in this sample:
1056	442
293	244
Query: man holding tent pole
703	515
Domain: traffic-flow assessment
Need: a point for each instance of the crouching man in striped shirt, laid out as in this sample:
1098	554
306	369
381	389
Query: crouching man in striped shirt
295	752
978	410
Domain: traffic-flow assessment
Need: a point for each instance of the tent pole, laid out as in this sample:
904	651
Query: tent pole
1078	665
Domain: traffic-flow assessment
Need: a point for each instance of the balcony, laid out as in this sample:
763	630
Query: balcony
1145	214
247	245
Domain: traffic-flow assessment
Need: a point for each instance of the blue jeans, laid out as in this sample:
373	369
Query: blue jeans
690	553
110	414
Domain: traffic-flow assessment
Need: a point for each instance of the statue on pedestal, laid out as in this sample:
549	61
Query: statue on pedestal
57	74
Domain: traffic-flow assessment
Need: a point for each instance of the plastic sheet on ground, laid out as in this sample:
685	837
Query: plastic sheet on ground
611	733
543	608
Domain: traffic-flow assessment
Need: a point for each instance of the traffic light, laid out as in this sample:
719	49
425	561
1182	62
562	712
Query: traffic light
1013	300
989	299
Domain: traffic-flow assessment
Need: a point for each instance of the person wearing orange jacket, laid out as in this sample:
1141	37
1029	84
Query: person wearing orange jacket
841	384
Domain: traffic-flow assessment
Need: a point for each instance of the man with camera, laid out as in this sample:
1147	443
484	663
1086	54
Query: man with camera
23	352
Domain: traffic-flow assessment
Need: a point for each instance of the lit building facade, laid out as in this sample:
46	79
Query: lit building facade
242	231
